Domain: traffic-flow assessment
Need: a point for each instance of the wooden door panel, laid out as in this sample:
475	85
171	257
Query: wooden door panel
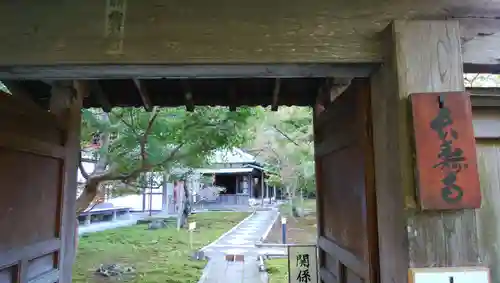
343	148
32	166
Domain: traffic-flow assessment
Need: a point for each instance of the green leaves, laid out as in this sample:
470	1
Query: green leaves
165	138
284	139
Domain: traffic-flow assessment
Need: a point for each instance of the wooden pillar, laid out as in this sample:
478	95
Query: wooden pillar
250	185
66	104
422	56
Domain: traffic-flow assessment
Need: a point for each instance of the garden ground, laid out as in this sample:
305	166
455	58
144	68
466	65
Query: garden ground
300	230
157	255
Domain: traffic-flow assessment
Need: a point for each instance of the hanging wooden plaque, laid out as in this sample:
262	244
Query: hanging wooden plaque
446	165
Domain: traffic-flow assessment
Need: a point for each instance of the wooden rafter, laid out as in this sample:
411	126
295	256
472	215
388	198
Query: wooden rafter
101	96
188	96
232	97
143	92
276	92
338	86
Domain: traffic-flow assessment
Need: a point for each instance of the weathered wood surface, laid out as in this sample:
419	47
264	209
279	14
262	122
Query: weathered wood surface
348	232
488	227
32	155
244	31
487	123
445	151
422	57
71	96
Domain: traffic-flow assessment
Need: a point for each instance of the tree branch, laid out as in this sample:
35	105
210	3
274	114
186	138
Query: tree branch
144	139
82	169
102	162
136	172
286	136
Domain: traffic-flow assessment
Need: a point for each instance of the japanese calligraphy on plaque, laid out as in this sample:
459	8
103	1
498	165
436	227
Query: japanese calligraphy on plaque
446	166
115	25
302	264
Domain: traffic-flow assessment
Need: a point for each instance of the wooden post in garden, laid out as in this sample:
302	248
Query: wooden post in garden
422	56
274	193
262	189
180	202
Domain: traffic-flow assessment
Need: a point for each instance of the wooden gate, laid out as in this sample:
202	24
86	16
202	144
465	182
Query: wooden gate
348	242
38	187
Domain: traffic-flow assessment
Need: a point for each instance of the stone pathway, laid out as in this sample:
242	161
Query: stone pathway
240	241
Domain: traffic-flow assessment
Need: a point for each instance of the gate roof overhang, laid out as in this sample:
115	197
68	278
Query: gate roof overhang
173	53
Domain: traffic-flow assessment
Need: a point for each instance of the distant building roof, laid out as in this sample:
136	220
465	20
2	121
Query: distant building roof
224	170
234	155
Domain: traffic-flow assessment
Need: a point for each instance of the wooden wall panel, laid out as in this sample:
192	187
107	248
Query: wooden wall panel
36	222
29	198
344	215
348	235
487	217
41	265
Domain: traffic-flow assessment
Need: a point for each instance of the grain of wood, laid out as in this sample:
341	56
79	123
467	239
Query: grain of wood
423	56
201	32
487	217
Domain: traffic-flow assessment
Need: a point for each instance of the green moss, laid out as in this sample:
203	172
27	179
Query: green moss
277	270
158	255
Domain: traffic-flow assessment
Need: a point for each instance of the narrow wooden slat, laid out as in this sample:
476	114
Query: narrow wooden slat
34	146
96	89
345	257
48	277
22	270
486	124
143	92
11	257
493	91
327	276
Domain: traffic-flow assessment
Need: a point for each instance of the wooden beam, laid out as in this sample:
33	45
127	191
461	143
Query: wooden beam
143	92
322	31
34	146
480	40
276	92
343	255
188	96
199	71
101	96
422	56
11	257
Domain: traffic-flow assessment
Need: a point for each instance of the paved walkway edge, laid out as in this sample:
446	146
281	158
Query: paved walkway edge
268	230
229	231
206	270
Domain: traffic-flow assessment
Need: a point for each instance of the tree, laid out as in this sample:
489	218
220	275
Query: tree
284	140
132	141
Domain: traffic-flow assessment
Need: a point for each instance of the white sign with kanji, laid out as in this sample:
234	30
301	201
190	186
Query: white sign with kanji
449	275
302	264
